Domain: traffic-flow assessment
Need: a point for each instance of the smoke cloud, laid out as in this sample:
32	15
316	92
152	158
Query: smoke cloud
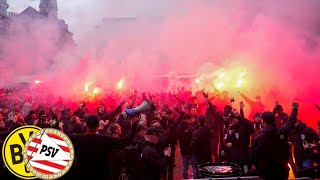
275	43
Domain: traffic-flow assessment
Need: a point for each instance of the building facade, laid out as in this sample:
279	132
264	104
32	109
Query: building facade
48	10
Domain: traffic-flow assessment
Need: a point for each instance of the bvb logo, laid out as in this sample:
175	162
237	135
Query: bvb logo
12	151
49	154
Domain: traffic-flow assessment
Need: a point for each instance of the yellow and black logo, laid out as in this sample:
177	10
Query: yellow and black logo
12	151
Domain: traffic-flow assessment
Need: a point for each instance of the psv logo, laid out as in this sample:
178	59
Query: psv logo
49	151
49	154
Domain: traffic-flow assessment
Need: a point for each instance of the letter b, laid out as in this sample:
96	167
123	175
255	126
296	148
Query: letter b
15	154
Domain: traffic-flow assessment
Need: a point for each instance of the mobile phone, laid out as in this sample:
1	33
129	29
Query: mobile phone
245	169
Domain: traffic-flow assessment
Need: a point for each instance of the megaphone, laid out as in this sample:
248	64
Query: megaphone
144	108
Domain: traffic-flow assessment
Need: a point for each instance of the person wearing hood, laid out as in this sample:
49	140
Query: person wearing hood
300	136
238	139
201	143
184	134
270	149
152	160
314	149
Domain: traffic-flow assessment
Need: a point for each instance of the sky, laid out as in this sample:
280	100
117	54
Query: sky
78	12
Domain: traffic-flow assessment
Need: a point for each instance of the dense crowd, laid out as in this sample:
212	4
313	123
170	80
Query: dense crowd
110	143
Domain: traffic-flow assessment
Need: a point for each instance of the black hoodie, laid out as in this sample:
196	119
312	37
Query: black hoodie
239	135
299	134
270	150
184	135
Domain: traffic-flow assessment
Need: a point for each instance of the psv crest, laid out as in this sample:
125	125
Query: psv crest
49	154
237	135
303	137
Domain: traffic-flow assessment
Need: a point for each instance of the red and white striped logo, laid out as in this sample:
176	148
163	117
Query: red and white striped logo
49	154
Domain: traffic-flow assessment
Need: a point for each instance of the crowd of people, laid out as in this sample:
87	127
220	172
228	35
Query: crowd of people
109	144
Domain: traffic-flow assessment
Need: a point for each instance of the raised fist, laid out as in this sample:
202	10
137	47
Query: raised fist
295	105
241	104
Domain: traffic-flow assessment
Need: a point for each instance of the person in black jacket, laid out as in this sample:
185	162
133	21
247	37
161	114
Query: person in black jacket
153	163
314	149
215	121
238	139
269	150
224	131
281	119
169	126
257	125
302	134
184	134
201	142
92	151
66	116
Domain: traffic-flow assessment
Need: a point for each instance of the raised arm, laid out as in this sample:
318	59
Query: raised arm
288	126
111	116
122	141
241	109
212	110
176	124
180	100
247	99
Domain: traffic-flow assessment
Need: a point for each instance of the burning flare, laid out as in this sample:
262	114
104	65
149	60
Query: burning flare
120	84
239	83
219	85
86	86
96	90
